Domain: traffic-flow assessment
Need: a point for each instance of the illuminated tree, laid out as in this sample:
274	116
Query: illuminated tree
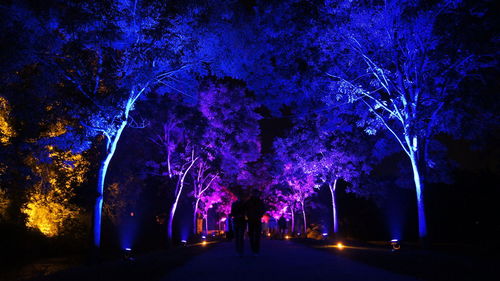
203	184
50	207
233	128
401	79
6	129
208	202
120	51
4	204
178	141
300	184
335	156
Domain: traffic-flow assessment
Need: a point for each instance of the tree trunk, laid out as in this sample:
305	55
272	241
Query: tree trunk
195	216
206	224
304	217
177	196
334	207
419	188
103	169
293	221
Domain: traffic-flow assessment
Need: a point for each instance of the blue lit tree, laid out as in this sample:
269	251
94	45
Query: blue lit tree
337	156
400	79
112	57
233	127
327	151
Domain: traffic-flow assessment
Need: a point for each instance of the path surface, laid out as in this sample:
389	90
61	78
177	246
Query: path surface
279	260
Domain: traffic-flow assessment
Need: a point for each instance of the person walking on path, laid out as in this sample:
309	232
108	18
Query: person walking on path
273	227
255	209
282	226
239	223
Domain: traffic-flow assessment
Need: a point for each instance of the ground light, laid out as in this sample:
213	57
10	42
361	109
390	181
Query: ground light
340	246
287	237
127	254
395	245
183	242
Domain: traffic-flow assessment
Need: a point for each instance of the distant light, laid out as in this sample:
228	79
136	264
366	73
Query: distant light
128	249
298	233
203	237
268	234
223	219
394	240
183	242
340	246
325	234
287	237
132	214
204	243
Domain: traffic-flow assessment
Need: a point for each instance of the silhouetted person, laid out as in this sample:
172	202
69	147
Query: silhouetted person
239	224
255	209
229	228
273	226
282	226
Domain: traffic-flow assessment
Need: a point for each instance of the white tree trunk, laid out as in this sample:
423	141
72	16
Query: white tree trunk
304	217
334	207
176	201
101	177
419	188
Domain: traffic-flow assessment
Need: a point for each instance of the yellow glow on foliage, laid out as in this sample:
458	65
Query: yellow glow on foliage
48	207
4	203
46	214
6	130
55	129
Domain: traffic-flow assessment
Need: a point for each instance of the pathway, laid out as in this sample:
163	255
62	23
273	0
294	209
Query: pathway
279	260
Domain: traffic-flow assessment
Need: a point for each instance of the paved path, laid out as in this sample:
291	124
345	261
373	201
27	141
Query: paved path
279	260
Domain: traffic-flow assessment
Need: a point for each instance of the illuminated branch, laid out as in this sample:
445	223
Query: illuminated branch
388	127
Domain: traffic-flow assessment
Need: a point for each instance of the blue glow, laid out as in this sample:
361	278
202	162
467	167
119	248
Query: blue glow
184	232
325	234
128	232
394	240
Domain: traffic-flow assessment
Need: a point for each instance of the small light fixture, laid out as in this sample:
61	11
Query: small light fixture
183	242
340	246
204	243
395	245
287	237
127	255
